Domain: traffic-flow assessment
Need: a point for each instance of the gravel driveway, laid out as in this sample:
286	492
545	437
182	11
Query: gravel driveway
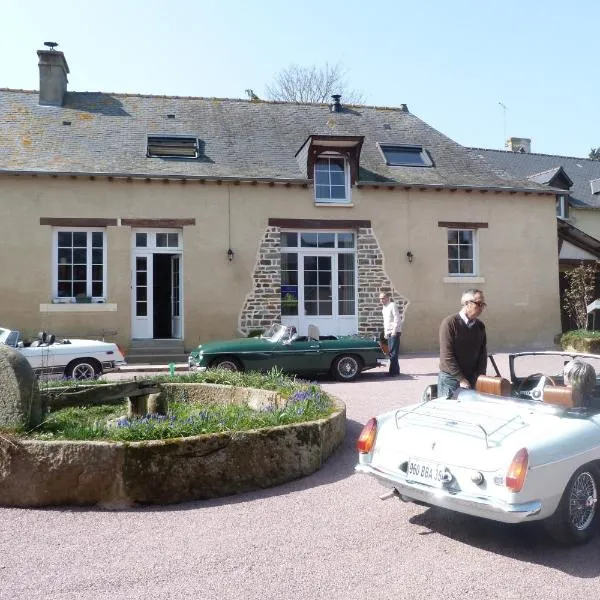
325	536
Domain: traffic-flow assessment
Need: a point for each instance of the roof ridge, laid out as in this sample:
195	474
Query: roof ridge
217	98
530	153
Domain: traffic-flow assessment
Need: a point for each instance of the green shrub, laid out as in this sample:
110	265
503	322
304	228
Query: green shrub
581	340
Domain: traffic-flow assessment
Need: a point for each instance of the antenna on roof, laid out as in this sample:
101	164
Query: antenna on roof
51	45
503	118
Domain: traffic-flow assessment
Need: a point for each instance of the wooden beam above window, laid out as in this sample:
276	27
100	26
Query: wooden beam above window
77	222
319	223
462	225
162	223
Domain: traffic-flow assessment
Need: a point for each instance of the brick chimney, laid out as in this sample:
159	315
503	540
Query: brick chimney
515	144
53	75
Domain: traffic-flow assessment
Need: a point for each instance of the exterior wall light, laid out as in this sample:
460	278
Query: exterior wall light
230	255
409	255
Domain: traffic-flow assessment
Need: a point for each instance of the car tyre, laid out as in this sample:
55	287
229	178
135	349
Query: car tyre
346	367
228	363
430	392
575	521
83	368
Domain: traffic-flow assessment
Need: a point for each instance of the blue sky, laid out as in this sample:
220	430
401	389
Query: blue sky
452	63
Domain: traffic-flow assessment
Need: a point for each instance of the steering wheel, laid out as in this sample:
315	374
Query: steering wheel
536	392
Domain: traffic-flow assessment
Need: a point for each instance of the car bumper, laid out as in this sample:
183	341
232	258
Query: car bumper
194	365
469	504
113	365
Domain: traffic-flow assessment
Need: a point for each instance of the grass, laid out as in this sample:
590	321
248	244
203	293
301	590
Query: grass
305	402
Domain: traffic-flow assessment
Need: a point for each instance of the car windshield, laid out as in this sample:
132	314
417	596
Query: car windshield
276	333
550	364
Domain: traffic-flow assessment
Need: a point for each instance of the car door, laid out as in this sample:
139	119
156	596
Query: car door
301	356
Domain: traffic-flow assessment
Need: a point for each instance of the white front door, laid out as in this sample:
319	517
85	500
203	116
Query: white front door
142	325
156	289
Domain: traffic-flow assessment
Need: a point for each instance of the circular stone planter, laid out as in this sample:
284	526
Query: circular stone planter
121	474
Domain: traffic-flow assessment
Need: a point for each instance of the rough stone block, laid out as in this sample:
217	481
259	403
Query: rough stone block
20	404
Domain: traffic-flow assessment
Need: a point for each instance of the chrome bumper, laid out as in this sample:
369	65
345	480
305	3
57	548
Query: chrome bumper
476	506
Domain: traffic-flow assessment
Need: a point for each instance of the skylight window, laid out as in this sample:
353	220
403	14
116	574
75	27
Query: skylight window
405	156
161	146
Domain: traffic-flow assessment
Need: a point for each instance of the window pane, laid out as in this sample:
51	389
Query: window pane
322	192
79	289
141	293
326	240
346	307
97	239
310	292
289	261
79	256
141	309
322	178
141	240
161	240
310	308
324	277
336	165
324	263
452	252
453	267
346	261
97	289
346	278
172	240
338	192
64	289
345	240
79	239
140	278
453	236
289	240
289	278
325	308
466	267
308	240
338	179
97	256
289	300
65	238
140	263
466	251
465	236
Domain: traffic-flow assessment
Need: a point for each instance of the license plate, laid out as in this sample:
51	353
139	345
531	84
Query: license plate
423	471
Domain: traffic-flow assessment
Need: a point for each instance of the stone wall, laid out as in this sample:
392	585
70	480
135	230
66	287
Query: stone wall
262	305
372	280
116	474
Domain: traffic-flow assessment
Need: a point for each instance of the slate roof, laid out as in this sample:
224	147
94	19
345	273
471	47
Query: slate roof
581	171
240	139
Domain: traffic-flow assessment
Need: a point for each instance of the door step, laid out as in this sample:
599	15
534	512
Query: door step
156	352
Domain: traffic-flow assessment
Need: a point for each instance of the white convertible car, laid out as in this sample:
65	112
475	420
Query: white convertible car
511	451
73	358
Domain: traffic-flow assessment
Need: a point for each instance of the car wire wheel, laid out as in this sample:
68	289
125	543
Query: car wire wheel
583	499
229	364
346	368
81	370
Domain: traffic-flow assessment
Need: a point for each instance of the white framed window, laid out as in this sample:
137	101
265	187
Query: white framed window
562	206
332	180
462	252
79	264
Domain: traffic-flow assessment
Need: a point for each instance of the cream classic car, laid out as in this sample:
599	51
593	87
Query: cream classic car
513	451
72	358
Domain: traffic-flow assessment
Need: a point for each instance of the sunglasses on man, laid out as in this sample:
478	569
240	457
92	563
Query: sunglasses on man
478	303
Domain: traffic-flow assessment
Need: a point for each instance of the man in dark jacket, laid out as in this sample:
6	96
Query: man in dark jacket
463	346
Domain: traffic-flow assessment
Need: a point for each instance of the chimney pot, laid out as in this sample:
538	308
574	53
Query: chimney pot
337	105
517	144
53	75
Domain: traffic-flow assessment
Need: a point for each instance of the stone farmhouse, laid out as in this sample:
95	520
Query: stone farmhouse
192	219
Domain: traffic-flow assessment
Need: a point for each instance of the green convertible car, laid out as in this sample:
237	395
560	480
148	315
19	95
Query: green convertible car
281	346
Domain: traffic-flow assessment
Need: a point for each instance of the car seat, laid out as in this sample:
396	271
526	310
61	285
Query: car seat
497	386
313	332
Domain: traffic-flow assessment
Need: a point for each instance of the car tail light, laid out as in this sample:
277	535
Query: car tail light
515	476
366	440
121	350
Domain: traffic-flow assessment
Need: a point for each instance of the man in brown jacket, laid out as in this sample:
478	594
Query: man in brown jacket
463	346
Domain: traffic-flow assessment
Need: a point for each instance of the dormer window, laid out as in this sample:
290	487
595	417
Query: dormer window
562	206
405	156
161	146
332	181
331	162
